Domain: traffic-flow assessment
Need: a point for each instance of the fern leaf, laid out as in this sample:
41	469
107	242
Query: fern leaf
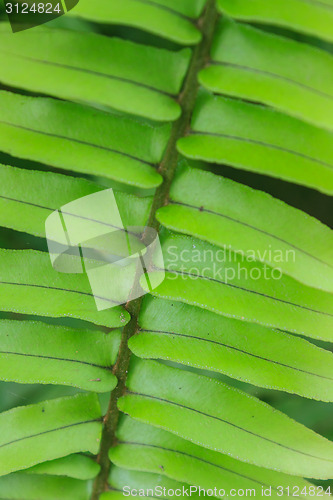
169	19
146	448
239	218
48	430
29	285
261	140
293	77
81	139
77	466
121	478
248	352
37	194
172	399
33	352
108	72
121	100
227	284
312	18
30	487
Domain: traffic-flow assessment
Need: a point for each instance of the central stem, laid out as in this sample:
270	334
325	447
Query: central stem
167	169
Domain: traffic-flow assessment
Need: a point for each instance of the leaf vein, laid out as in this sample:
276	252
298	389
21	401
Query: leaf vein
214	417
261	143
131	443
49	431
78	141
57	359
203	209
163	332
274	75
92	72
246	290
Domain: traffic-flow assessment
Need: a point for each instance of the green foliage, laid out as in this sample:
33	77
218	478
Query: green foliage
23	188
49	430
244	427
310	17
33	352
118	71
29	285
235	216
28	486
248	352
78	466
131	111
254	65
81	138
122	477
260	139
145	447
224	283
167	18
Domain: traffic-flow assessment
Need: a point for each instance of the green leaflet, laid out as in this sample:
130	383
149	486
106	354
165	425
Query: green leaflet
225	283
293	77
218	417
107	72
150	449
167	19
122	478
33	352
189	8
77	466
19	486
237	217
28	197
262	140
48	430
248	352
310	17
82	139
29	285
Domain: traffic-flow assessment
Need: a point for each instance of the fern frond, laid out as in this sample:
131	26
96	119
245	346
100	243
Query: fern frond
154	409
33	352
167	18
82	138
236	217
172	399
251	353
143	447
106	72
49	430
294	77
260	139
306	16
227	284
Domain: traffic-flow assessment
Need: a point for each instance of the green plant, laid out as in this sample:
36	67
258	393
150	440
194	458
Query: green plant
136	116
